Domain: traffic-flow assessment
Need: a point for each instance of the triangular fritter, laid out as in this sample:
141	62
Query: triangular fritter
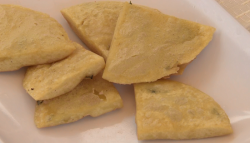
92	97
148	45
30	38
94	23
171	110
51	80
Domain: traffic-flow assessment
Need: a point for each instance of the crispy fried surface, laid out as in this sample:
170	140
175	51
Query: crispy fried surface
171	110
30	38
51	80
92	97
94	23
148	45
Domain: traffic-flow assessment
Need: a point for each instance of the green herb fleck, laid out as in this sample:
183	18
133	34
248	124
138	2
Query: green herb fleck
214	111
89	77
130	2
152	91
39	102
167	68
50	117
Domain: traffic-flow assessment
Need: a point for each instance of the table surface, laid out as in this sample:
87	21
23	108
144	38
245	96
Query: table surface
239	9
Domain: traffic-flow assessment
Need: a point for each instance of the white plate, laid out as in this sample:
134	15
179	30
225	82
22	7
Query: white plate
222	70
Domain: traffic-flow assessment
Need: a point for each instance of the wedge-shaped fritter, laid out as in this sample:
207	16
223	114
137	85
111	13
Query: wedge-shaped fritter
148	45
94	23
51	80
92	97
171	110
30	38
